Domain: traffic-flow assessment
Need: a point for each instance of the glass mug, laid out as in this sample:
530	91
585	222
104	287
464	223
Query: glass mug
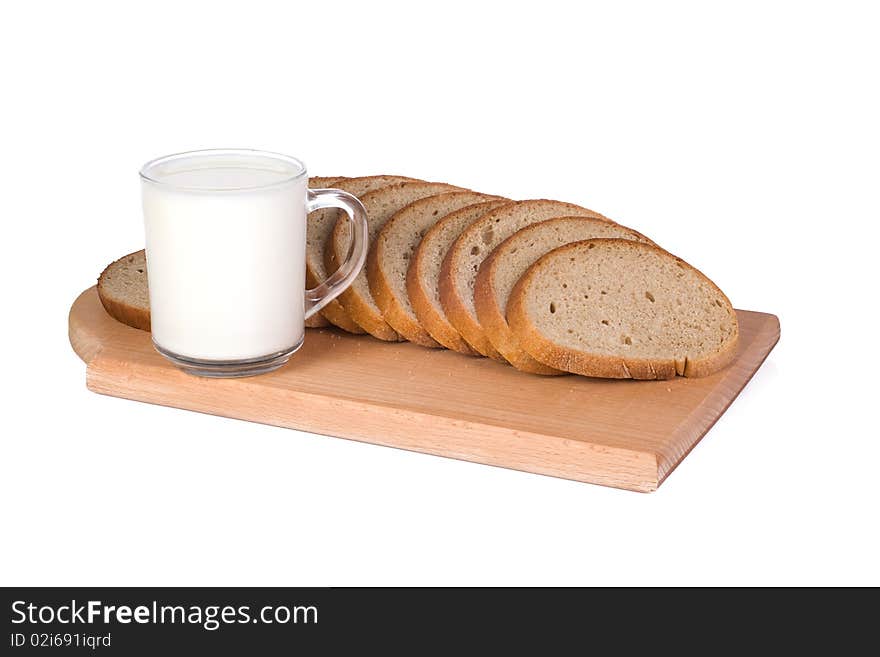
226	243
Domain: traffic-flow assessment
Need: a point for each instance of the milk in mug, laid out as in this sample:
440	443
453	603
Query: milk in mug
225	242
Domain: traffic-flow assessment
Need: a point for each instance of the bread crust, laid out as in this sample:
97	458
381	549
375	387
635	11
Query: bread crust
392	312
334	312
359	308
318	182
429	317
459	317
437	326
454	305
495	325
317	321
381	286
138	318
354	309
600	365
492	318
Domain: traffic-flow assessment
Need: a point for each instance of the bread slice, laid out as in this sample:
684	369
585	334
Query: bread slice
460	266
380	204
317	321
510	260
318	182
423	275
320	228
123	291
392	253
622	309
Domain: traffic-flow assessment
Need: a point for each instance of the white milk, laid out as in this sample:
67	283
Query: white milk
225	256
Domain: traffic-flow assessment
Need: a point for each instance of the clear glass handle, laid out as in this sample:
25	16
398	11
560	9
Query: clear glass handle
320	296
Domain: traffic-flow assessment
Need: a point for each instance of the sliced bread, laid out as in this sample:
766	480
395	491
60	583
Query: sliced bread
510	260
317	182
123	290
320	228
423	275
317	321
380	204
622	309
392	252
460	266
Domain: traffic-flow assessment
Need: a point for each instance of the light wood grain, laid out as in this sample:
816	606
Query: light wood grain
626	434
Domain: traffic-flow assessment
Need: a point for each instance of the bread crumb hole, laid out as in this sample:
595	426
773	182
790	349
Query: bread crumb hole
591	245
605	322
649	297
565	286
475	250
718	303
552	307
604	292
627	340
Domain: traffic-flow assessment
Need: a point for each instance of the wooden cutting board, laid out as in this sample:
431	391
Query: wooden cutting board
626	434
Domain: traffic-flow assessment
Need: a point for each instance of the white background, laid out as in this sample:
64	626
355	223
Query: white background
744	140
